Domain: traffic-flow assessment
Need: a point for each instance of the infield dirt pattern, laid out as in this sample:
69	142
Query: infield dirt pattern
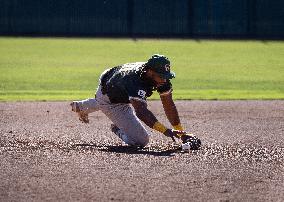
46	154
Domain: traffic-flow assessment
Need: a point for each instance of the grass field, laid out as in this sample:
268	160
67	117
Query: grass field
68	69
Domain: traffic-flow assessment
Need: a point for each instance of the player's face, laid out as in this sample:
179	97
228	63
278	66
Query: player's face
157	79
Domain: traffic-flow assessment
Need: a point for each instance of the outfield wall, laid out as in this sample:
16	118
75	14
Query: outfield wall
145	18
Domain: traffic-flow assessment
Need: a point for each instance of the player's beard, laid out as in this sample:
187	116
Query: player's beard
159	85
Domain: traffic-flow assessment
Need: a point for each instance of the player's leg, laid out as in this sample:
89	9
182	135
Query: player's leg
84	107
128	127
88	105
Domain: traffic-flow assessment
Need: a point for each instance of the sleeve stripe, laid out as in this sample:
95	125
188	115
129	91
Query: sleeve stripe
167	92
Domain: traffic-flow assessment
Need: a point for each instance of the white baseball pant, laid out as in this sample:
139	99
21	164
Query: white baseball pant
132	132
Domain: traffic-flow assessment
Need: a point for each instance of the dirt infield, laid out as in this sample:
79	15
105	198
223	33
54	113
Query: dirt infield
46	154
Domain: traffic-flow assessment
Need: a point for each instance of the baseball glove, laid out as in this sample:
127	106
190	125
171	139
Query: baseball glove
195	143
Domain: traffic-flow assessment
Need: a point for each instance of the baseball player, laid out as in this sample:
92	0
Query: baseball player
129	85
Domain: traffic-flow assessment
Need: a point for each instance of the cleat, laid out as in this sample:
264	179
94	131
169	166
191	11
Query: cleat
83	116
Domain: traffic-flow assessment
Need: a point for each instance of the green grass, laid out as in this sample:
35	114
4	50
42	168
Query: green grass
68	69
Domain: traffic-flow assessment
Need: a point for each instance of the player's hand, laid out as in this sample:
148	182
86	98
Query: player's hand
174	133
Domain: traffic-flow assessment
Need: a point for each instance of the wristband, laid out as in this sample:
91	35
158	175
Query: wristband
178	127
159	127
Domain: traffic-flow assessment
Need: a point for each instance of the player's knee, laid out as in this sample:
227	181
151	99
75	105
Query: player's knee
142	141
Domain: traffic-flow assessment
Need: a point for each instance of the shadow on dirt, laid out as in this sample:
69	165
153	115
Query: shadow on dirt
130	150
27	145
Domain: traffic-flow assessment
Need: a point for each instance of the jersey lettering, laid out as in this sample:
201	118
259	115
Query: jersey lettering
142	93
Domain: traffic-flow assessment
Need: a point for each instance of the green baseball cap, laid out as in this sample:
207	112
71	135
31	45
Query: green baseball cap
161	65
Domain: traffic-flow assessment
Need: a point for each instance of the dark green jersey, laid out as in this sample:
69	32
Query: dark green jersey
126	82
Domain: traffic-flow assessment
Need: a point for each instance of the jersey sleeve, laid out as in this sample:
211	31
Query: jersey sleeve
165	89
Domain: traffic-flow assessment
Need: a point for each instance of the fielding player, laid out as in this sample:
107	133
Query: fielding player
130	85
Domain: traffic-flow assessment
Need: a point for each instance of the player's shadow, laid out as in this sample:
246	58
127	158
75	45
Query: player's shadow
129	149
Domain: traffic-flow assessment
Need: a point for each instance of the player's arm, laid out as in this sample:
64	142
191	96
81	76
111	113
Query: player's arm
171	110
145	115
